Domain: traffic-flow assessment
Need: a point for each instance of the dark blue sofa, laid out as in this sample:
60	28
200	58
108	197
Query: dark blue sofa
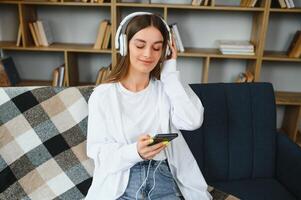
238	147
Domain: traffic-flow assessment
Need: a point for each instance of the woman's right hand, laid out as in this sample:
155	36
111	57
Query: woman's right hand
148	152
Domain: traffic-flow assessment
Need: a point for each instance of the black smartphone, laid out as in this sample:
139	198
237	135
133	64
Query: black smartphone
163	137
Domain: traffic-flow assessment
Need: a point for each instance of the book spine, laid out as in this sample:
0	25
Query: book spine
177	34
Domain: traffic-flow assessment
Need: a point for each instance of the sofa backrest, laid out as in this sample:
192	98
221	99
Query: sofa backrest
237	138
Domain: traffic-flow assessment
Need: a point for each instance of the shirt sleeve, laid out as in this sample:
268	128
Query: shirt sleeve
186	108
107	153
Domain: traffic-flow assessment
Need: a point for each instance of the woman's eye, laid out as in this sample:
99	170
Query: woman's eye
139	47
157	49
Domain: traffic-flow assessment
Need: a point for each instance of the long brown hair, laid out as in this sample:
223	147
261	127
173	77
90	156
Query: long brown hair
135	25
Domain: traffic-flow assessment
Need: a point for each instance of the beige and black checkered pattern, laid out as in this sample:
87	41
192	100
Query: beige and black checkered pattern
43	144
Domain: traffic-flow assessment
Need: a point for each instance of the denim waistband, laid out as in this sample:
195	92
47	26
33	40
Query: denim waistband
153	162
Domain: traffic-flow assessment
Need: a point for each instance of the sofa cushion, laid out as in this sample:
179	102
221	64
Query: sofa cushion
43	143
238	137
259	189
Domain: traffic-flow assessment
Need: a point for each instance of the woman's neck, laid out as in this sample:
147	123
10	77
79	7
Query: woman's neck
135	82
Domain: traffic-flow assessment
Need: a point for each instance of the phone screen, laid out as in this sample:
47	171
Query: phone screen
163	137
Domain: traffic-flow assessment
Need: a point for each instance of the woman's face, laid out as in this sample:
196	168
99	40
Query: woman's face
145	49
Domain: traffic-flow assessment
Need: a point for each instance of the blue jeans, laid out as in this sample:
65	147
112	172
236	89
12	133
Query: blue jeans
165	186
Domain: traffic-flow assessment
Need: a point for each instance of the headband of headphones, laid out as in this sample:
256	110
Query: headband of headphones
121	38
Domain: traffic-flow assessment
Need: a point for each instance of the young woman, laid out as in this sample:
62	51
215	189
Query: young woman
141	98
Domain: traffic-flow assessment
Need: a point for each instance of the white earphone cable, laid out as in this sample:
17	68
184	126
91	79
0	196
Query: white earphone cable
149	164
154	178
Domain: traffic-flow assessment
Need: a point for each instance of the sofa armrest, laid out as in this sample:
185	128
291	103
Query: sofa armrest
289	164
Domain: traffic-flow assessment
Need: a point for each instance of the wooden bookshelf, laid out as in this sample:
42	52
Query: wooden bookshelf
27	11
60	47
279	56
292	114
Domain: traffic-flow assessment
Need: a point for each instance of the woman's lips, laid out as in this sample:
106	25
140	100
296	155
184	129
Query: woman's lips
146	61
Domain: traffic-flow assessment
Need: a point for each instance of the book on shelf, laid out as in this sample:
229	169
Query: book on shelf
289	3
205	2
225	52
236	47
248	3
33	34
107	37
45	33
177	37
58	75
282	3
19	37
294	50
102	74
235	44
196	2
101	34
11	71
243	3
37	33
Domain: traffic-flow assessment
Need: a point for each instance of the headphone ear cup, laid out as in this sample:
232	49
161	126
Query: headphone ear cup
121	44
125	45
167	52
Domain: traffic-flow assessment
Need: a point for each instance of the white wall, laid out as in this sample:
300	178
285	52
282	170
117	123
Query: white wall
198	29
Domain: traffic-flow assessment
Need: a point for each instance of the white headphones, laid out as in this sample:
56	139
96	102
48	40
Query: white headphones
121	37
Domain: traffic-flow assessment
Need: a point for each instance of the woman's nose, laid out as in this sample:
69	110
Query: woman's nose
147	52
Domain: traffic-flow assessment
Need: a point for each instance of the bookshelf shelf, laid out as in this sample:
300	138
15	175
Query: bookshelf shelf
279	56
8	45
285	10
288	98
34	82
66	3
9	2
210	52
59	47
292	114
217	8
190	7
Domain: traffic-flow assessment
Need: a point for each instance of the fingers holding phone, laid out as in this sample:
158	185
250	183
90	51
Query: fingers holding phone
146	151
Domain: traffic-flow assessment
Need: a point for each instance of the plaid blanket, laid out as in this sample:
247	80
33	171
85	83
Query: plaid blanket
43	144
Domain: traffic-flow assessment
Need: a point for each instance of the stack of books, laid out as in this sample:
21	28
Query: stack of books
203	2
92	1
102	74
294	50
286	3
41	33
175	31
236	47
103	36
58	76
